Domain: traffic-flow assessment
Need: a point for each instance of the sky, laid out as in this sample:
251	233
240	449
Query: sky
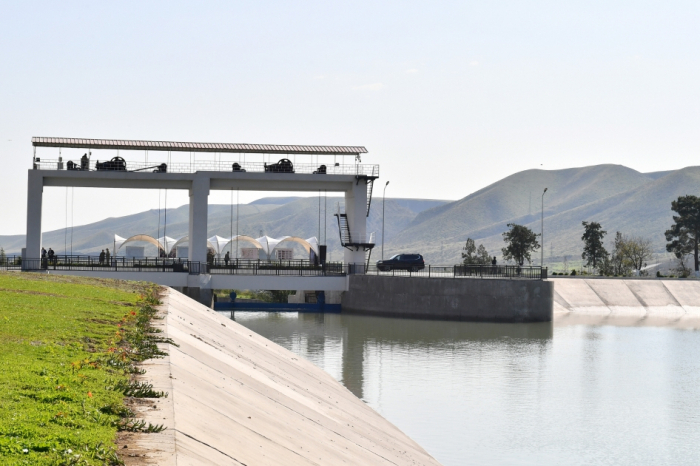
448	97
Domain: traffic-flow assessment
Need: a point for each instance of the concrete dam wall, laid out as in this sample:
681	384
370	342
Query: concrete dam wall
237	398
627	298
471	299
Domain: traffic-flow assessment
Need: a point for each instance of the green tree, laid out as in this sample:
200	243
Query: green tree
472	255
685	231
620	264
521	243
637	251
3	257
482	255
593	251
681	247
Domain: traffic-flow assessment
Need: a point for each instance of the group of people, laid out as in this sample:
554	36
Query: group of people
104	257
48	257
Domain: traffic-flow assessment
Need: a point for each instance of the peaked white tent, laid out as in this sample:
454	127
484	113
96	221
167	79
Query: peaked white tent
164	243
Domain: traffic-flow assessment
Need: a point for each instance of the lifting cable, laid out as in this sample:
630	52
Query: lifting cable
230	245
165	223
158	234
72	198
65	230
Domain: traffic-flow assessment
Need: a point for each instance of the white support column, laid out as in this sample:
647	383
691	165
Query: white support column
35	190
356	209
199	211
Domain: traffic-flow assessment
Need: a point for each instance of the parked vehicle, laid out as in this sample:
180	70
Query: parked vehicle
283	166
116	164
410	262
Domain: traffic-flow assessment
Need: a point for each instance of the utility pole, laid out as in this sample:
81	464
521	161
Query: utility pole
383	198
542	232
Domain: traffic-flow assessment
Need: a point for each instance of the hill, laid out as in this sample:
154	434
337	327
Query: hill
620	198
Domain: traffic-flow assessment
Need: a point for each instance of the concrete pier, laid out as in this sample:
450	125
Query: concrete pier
488	300
237	398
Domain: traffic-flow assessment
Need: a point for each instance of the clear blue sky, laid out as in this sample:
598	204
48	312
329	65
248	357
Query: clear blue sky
447	96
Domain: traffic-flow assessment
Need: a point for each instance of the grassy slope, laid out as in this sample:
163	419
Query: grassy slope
51	329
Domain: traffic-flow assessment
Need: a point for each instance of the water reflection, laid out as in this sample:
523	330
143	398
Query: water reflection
518	394
347	338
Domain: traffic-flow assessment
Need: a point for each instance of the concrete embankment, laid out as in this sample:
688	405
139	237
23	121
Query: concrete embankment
489	300
627	299
237	398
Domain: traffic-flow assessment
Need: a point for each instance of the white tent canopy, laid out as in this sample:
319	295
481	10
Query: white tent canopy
163	243
219	243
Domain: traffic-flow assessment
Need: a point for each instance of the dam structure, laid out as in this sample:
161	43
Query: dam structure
246	170
460	292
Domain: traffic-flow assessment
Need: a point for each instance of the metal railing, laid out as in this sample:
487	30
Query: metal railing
10	262
459	271
218	166
114	264
293	268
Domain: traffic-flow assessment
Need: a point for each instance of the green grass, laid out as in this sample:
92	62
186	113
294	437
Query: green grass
60	338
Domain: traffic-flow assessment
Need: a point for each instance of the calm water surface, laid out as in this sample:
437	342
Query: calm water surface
501	394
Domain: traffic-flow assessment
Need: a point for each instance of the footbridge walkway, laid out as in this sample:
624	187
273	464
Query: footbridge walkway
251	274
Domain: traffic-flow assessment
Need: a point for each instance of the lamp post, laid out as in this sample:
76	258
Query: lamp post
383	198
542	231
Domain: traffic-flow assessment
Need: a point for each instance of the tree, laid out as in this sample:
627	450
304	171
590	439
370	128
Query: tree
471	255
593	251
521	242
3	257
482	255
620	264
637	251
686	224
681	247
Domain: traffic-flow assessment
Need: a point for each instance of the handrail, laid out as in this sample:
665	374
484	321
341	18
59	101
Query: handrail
216	166
298	268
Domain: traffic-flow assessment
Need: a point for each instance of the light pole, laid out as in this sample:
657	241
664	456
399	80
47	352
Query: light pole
383	198
542	232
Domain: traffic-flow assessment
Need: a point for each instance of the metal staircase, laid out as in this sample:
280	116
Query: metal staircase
369	180
370	185
346	237
344	228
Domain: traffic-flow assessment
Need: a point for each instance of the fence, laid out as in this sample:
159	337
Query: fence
298	268
220	166
115	264
459	271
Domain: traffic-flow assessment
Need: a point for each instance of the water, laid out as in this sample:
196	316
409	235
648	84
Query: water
526	394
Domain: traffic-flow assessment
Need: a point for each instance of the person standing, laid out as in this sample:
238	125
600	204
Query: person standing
44	263
227	257
102	257
107	257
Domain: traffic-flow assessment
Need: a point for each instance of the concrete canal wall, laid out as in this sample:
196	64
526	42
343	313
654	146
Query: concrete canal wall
627	298
491	300
237	398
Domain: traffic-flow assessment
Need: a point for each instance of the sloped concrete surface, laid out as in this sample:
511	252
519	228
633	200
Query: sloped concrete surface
237	398
634	301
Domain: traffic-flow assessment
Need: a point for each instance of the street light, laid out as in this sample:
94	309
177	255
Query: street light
383	197
542	232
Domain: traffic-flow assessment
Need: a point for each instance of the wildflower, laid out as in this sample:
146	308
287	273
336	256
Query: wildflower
24	450
90	394
69	451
